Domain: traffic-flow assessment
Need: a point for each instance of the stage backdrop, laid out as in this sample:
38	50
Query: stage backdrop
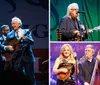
32	13
79	48
58	9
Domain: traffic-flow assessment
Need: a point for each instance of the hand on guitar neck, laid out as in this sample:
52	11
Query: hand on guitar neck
63	70
89	31
24	37
79	34
9	47
95	28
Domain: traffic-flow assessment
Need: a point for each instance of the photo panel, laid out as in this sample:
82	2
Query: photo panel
62	29
81	52
28	38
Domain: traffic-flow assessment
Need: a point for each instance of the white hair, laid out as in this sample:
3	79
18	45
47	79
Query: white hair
3	26
89	46
69	8
17	20
92	47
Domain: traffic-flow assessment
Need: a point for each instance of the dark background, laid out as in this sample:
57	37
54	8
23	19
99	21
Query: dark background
32	13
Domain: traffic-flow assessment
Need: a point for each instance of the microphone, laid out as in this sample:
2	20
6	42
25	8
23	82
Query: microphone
75	55
81	12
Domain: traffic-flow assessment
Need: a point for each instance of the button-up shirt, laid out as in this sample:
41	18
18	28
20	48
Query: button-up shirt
20	33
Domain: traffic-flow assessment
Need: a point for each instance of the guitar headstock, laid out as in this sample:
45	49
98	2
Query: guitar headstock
96	28
32	28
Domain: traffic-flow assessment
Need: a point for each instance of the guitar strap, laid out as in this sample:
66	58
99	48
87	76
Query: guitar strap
77	25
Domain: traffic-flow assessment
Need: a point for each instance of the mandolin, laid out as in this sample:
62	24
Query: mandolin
64	76
78	37
68	66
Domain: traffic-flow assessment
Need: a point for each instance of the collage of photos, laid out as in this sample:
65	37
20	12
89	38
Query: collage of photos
50	42
74	52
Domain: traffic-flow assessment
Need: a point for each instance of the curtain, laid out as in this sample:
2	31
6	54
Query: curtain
58	9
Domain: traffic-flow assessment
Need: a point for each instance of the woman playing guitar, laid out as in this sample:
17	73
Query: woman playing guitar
65	66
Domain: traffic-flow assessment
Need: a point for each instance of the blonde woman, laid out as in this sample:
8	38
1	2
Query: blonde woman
65	66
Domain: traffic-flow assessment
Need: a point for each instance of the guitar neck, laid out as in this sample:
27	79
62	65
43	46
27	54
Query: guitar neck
96	28
31	29
93	74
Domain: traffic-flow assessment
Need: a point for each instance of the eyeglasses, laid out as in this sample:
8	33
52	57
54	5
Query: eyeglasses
74	9
6	30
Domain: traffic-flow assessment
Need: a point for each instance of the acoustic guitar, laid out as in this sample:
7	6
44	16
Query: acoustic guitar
16	45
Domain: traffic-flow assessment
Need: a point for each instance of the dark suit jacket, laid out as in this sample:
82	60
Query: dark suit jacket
85	71
1	49
1	46
2	62
28	55
1	39
68	26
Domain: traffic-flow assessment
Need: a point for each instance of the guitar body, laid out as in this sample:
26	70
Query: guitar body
16	45
76	39
9	54
64	76
97	78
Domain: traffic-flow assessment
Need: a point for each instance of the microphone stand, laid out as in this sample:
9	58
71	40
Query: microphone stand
79	30
85	24
76	68
76	83
45	61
